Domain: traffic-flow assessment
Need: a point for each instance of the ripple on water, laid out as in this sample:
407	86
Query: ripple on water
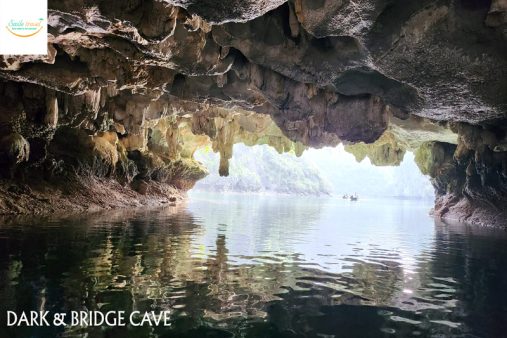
293	270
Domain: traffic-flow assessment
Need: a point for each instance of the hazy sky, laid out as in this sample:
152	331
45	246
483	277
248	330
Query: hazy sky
346	174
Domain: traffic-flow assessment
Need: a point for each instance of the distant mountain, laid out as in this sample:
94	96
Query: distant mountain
262	169
317	172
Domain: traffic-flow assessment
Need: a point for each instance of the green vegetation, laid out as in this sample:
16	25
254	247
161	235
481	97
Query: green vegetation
262	169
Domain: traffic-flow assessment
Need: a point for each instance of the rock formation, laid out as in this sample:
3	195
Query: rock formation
128	90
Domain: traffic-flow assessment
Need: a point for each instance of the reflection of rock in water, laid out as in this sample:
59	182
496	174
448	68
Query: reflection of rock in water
136	265
263	217
478	273
154	260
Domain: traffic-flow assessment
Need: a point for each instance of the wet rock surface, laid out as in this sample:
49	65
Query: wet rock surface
128	90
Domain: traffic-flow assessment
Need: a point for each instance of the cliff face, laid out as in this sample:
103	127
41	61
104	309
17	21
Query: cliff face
129	89
261	169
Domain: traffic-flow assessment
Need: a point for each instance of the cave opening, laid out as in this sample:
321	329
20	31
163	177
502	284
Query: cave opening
336	172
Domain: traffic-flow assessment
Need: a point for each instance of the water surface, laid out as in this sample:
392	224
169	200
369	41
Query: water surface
261	266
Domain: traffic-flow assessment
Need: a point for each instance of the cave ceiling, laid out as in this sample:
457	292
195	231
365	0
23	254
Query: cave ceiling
370	74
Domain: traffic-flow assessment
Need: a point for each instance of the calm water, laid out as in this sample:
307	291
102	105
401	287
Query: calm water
251	266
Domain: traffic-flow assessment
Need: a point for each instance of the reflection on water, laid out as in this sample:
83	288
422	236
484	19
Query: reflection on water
250	266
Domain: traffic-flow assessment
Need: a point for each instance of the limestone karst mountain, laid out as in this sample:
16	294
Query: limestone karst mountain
260	169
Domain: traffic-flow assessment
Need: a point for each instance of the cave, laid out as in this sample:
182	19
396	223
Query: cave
110	119
127	92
